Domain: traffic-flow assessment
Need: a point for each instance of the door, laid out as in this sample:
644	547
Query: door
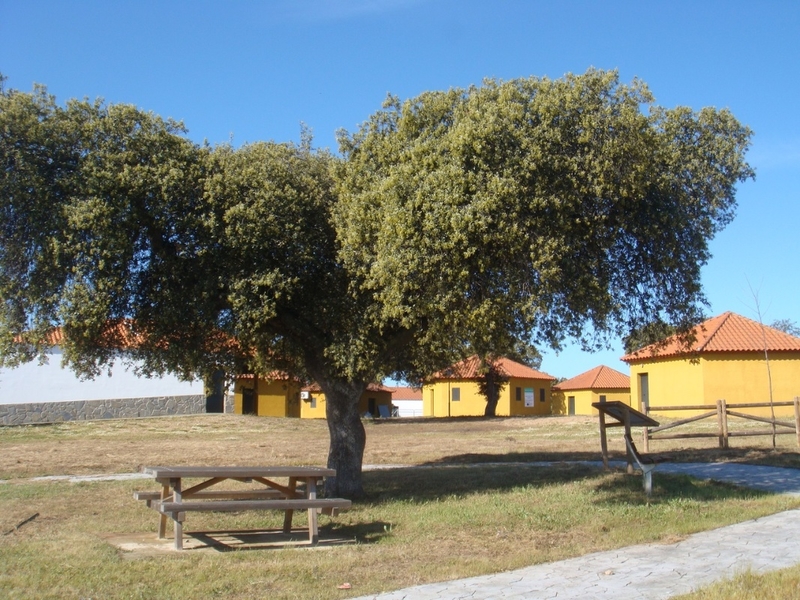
644	393
570	405
249	401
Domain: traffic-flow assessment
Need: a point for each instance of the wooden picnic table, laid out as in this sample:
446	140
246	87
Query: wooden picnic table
298	492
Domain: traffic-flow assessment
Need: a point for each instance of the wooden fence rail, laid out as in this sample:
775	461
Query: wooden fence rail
722	410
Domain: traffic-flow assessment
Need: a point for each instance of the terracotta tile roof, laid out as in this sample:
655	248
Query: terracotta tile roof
372	387
469	369
406	393
599	378
727	332
117	334
271	376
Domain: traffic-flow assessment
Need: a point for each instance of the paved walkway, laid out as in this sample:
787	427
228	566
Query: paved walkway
650	571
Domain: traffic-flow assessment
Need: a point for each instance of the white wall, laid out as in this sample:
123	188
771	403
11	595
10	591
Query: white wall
32	382
408	408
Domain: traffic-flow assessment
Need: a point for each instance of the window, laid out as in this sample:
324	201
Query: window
541	395
519	394
455	394
602	398
313	402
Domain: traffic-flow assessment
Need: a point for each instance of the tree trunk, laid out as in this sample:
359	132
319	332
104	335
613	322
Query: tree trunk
492	395
348	438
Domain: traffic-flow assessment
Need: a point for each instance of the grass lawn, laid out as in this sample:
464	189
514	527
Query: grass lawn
435	517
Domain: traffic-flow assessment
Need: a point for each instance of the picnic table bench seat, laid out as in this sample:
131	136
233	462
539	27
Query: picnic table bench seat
150	496
237	505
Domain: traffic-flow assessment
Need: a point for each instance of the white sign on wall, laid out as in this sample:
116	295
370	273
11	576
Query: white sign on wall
528	397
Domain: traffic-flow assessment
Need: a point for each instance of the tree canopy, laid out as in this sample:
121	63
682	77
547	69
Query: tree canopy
787	326
476	220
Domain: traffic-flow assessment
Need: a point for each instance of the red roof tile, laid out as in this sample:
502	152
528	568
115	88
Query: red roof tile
727	332
469	369
599	378
117	334
406	393
372	387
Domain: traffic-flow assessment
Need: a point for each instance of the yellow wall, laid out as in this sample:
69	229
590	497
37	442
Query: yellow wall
314	407
734	377
584	400
744	378
437	398
272	398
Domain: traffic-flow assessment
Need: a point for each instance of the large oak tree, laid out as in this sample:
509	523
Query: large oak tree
454	223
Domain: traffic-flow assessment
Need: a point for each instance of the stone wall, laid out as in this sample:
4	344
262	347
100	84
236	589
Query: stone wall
87	410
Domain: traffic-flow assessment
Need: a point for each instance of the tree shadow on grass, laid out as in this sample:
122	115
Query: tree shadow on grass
522	457
743	455
668	488
453	479
436	482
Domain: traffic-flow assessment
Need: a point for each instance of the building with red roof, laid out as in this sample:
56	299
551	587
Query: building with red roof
454	392
407	401
601	384
278	395
731	357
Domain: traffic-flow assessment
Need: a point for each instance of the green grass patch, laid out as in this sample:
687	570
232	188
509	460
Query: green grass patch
783	584
418	525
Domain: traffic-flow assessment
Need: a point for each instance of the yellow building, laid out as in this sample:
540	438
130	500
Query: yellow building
601	384
376	401
280	396
726	361
273	396
454	391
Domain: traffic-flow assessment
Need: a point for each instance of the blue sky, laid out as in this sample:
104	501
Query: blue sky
248	71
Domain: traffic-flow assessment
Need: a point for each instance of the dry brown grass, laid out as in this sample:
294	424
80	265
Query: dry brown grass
122	446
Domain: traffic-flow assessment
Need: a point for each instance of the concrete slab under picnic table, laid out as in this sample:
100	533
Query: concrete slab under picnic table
141	545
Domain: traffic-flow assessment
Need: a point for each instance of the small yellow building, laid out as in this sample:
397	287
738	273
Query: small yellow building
376	401
280	396
601	384
273	396
454	392
726	361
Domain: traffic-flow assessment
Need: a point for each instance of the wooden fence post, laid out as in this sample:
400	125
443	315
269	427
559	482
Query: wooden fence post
603	440
797	418
627	422
722	422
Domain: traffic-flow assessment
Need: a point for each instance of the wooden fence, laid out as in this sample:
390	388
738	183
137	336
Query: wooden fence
721	410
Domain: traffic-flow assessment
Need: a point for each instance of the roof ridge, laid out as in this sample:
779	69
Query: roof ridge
723	318
597	372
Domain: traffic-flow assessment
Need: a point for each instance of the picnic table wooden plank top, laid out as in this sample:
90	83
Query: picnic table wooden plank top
168	472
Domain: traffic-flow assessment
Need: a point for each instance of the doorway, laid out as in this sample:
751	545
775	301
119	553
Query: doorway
249	402
644	392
